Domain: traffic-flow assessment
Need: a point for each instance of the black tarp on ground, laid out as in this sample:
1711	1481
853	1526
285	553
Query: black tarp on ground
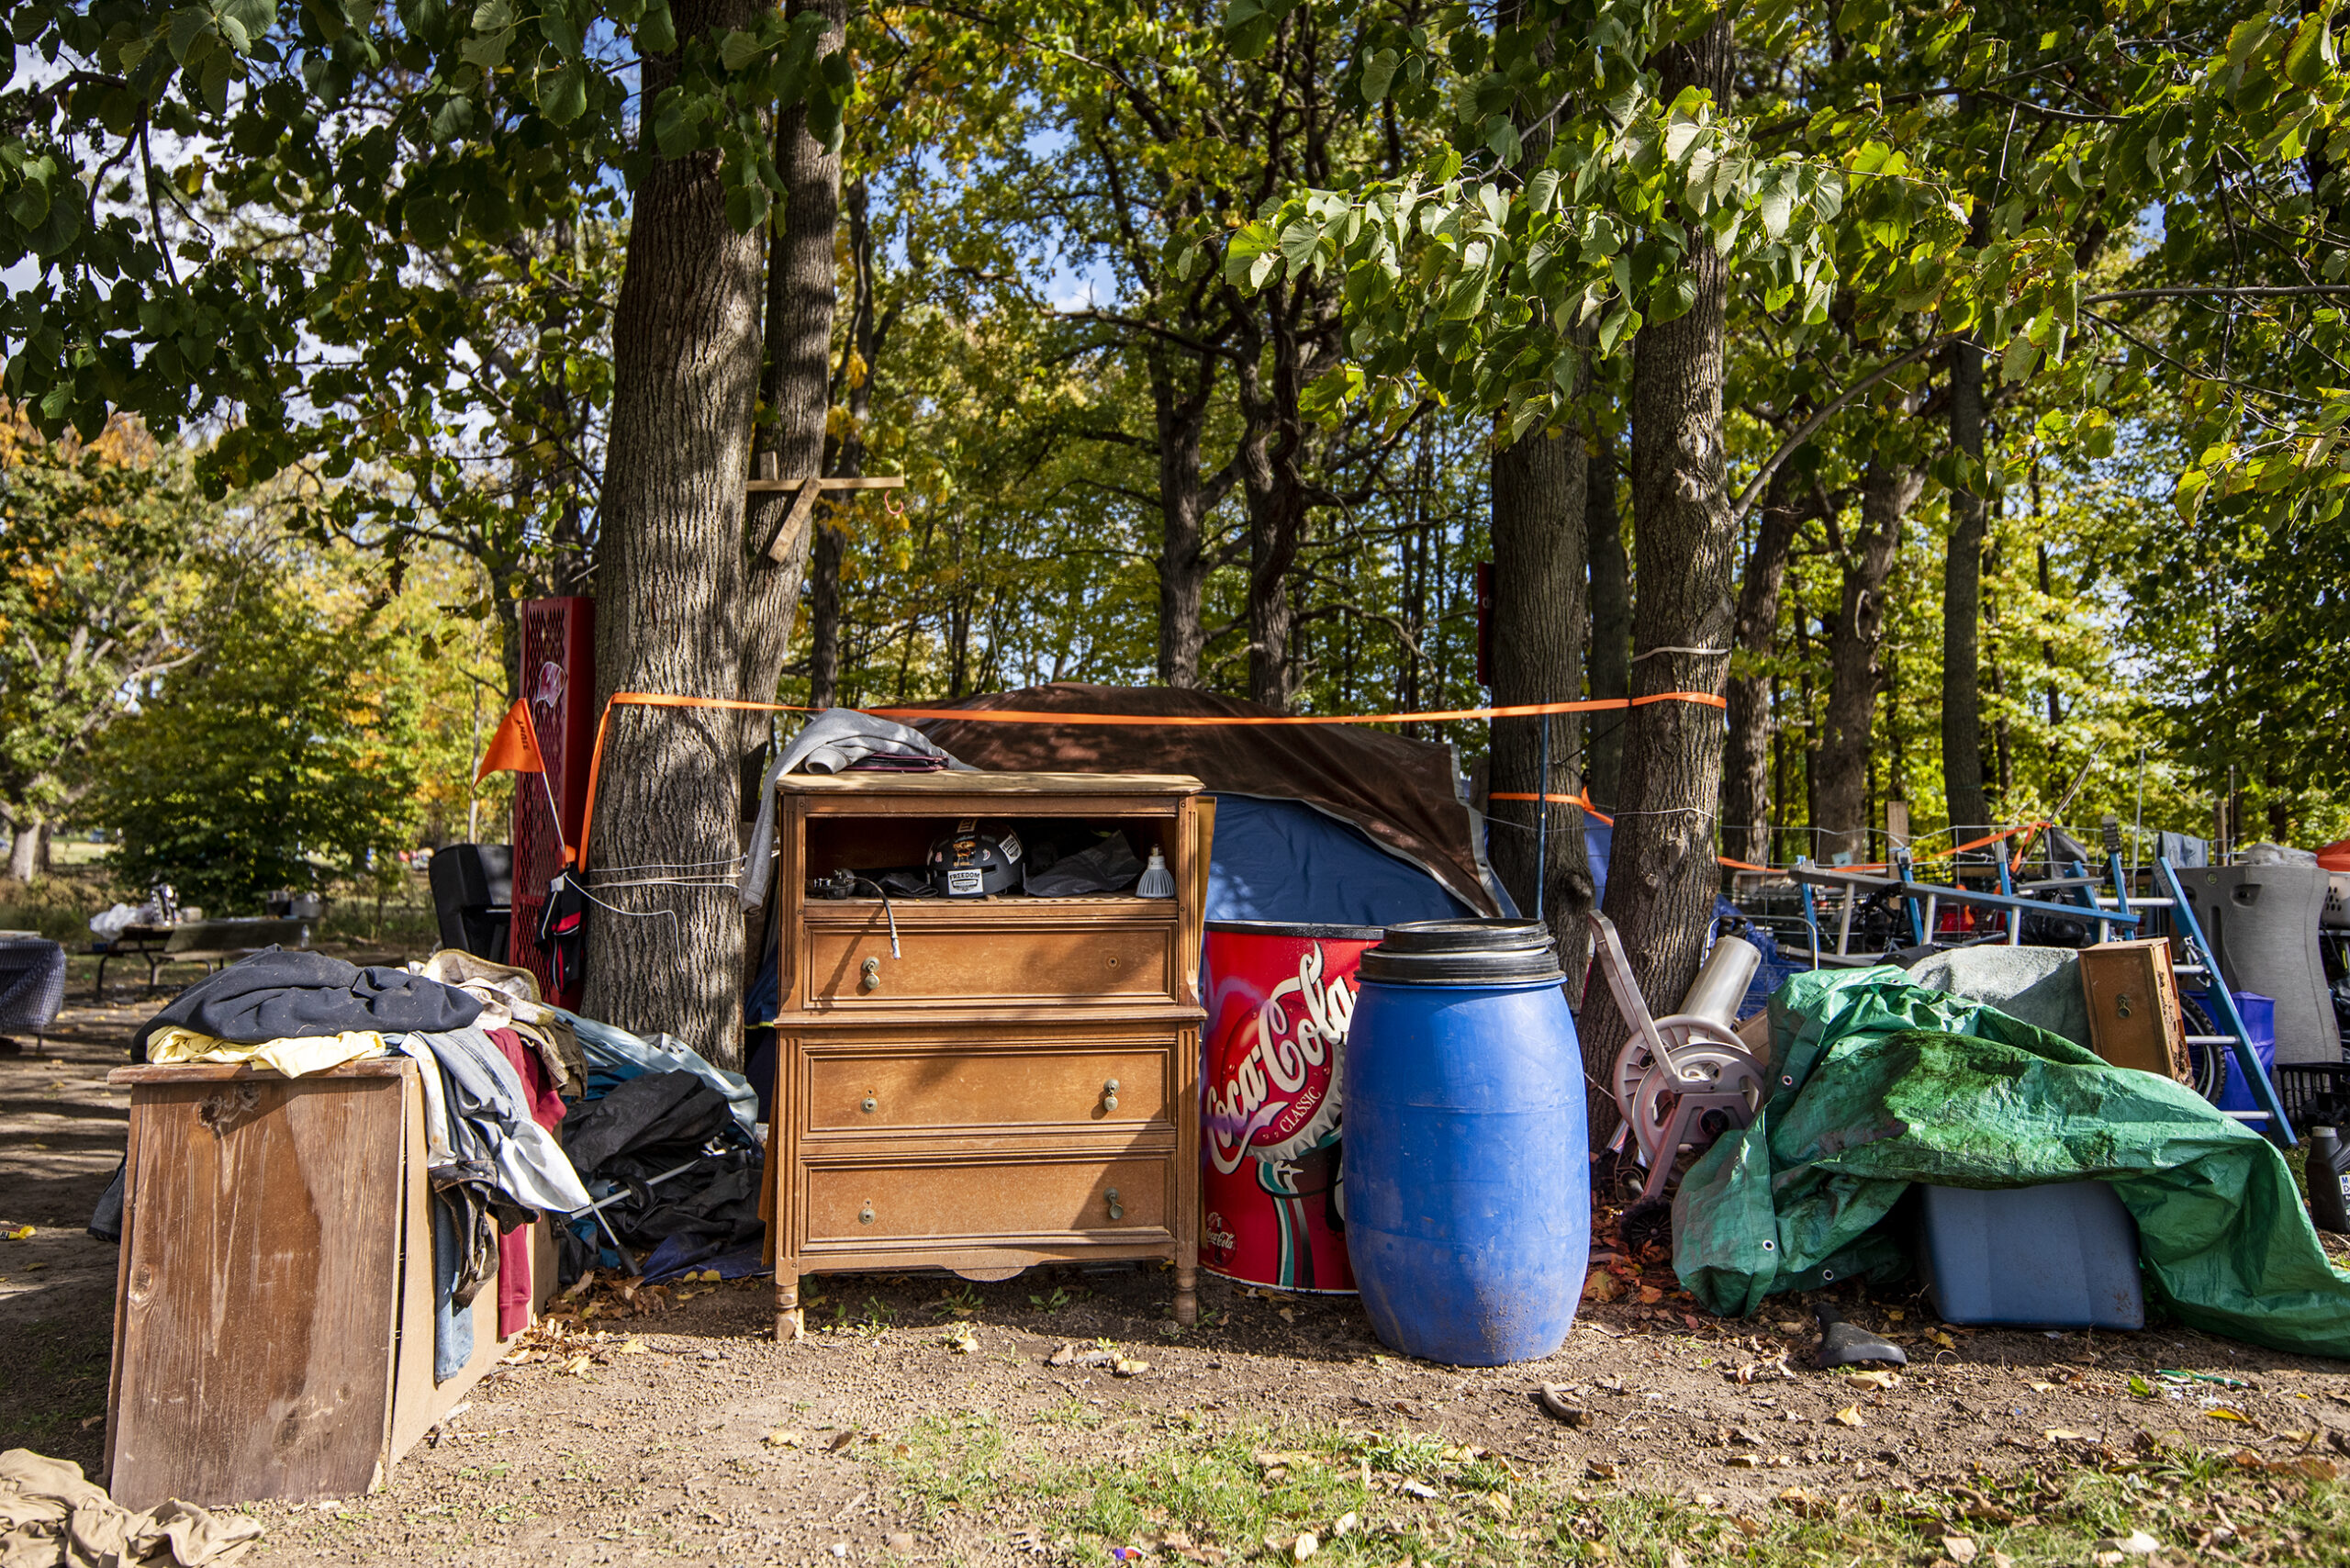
1399	792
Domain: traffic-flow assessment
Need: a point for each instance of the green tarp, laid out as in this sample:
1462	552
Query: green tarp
1882	1084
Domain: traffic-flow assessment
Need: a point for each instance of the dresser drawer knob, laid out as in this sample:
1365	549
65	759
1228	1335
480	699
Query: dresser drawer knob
1115	1212
864	1214
870	1105
870	979
1110	1095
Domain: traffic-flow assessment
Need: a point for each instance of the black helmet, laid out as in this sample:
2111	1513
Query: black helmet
970	863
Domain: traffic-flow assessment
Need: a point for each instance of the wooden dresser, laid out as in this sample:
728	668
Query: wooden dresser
1018	1082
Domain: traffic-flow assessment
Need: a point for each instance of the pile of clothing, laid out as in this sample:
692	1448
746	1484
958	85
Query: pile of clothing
520	1100
670	1149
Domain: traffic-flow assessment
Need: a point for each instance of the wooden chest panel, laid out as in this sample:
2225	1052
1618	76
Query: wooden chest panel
997	1201
258	1287
988	954
995	1087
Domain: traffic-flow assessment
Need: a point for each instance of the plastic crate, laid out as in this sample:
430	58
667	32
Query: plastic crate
2315	1093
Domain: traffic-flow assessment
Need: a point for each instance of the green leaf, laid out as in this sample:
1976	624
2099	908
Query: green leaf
563	97
1620	320
2310	55
657	33
1378	75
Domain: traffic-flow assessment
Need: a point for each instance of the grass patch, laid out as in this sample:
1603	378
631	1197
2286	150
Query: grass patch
1370	1498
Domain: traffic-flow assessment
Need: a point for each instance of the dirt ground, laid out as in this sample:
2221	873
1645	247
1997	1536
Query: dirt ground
922	1420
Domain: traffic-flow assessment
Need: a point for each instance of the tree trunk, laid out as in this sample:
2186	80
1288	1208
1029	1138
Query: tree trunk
795	382
1746	773
681	607
1538	512
1963	608
1660	876
28	849
1854	674
844	458
1179	393
1272	458
1611	624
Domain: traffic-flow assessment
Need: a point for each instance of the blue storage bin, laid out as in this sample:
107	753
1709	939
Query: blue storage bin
2060	1256
2260	1022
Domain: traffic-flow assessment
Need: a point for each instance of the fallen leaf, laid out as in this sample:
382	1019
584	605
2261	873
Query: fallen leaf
1849	1416
1746	1436
1744	1461
1788	1328
961	1340
578	1365
784	1437
1944	1340
840	1440
1959	1549
631	1348
1499	1502
1600	1469
2137	1543
1288	1315
2141	1387
1418	1489
2222	1413
2042	1387
1651	1295
1603	1286
1306	1546
899	1541
1881	1381
1121	1367
2062	1435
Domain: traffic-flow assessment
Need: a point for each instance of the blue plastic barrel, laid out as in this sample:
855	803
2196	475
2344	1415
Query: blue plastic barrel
1468	1172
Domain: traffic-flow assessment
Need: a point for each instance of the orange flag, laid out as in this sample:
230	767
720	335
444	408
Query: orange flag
514	748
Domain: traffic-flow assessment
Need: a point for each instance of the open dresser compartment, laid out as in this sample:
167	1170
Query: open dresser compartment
981	1084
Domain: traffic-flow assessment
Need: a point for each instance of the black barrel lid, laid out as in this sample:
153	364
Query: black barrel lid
1464	952
1299	933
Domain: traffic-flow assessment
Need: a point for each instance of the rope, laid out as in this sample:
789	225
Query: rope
1032	716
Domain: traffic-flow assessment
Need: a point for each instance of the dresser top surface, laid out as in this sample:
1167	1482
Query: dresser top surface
925	786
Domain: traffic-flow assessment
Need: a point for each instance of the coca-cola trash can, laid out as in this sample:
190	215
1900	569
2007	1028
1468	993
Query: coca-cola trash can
1279	999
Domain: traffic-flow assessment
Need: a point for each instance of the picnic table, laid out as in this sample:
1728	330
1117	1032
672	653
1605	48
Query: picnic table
205	942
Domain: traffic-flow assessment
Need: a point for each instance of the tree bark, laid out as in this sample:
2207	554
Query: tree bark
1747	804
1855	675
1611	624
683	607
1538	489
1662	876
1272	462
1963	607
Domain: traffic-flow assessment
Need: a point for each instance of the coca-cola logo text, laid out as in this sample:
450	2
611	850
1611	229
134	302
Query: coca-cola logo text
1266	1096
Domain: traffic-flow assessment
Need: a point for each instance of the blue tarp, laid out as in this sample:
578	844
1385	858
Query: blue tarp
1284	861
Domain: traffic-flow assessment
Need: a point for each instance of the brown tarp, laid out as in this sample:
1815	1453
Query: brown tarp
1398	791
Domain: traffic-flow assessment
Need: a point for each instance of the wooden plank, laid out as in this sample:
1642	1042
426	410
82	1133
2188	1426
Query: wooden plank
1099	790
258	1290
223	1072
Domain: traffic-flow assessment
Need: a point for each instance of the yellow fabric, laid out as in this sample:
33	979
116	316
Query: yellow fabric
51	1518
293	1057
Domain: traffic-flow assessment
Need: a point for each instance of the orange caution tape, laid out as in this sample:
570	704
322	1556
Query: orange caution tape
578	856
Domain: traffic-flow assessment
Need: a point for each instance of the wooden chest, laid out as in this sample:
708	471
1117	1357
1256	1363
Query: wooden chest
2134	1016
981	1084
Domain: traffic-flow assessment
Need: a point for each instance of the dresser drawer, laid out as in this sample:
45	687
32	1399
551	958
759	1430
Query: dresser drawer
993	955
1007	1200
997	1087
